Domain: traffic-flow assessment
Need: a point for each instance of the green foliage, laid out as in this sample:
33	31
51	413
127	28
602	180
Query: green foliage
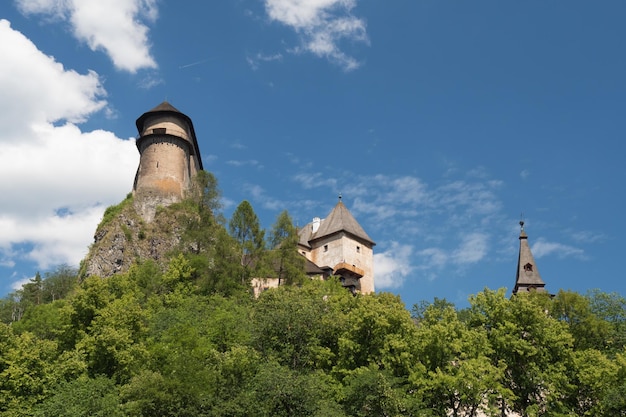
148	343
298	327
284	258
371	392
82	397
112	212
182	336
534	347
245	229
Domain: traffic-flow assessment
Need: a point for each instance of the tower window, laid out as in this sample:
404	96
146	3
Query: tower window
528	267
358	249
159	131
325	248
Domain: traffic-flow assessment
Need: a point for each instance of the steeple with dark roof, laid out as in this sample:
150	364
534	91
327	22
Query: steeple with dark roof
527	277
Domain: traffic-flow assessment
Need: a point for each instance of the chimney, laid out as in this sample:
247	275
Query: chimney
316	224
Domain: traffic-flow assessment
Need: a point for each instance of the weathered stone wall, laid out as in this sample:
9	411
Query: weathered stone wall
336	249
163	166
167	163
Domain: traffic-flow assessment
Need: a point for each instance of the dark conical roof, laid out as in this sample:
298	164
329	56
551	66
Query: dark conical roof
339	220
527	277
165	108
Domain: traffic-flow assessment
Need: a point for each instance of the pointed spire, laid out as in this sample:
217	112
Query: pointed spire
527	277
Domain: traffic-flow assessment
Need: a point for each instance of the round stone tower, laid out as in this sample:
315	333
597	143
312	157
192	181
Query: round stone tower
169	158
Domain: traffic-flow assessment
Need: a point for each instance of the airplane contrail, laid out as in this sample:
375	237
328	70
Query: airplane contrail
193	63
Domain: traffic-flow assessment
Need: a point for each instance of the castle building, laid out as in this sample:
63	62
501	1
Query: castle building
169	158
338	244
527	278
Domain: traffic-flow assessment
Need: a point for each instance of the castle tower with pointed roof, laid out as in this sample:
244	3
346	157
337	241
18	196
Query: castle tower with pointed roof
527	277
339	244
169	158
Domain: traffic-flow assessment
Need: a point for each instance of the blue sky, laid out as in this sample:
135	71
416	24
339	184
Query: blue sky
439	122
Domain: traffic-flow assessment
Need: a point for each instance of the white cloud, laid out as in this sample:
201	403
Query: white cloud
447	222
258	194
392	266
251	162
583	236
321	24
59	179
433	258
543	248
473	248
114	26
255	61
36	89
309	181
17	285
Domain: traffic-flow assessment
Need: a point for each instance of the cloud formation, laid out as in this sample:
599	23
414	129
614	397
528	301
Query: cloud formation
255	60
392	266
113	26
59	179
451	222
321	24
543	248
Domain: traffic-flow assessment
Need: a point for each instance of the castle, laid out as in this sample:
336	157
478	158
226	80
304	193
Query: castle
336	245
339	245
170	158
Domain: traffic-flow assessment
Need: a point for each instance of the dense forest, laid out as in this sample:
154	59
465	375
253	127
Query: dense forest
184	336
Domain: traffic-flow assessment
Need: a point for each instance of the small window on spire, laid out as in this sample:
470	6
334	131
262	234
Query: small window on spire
528	267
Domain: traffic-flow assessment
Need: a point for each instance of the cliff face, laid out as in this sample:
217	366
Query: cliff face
124	237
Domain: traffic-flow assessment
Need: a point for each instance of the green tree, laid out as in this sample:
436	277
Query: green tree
82	397
32	291
589	330
285	259
28	371
372	392
206	193
277	391
460	378
379	332
534	347
298	327
245	229
592	376
614	400
113	344
58	283
611	307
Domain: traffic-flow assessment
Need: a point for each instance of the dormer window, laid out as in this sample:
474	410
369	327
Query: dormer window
528	267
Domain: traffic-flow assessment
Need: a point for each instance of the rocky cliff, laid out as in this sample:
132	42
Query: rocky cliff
124	237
